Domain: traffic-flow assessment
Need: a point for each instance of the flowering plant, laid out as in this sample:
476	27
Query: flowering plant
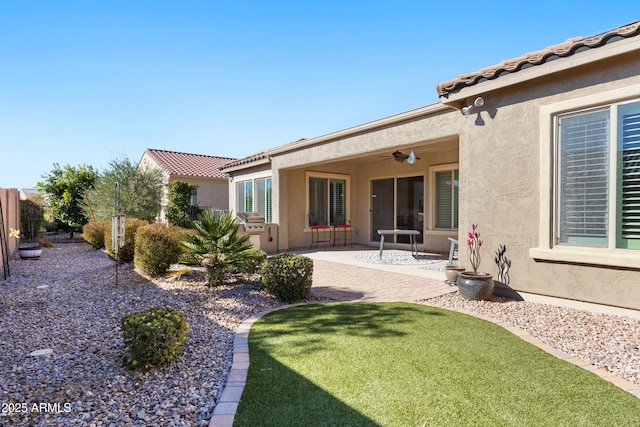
474	243
14	233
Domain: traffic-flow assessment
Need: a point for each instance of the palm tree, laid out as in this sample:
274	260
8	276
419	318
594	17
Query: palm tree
217	245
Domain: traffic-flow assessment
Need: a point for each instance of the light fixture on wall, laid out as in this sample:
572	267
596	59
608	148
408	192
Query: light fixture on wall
469	109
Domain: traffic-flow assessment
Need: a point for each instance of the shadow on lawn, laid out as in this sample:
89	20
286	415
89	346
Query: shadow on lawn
368	320
273	398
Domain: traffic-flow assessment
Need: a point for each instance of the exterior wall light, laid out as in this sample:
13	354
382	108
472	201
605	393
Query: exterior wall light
469	109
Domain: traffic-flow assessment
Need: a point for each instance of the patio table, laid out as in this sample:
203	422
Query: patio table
412	239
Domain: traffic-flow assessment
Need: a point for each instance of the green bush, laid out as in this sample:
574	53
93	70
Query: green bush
287	276
94	231
131	226
156	248
216	244
251	262
153	337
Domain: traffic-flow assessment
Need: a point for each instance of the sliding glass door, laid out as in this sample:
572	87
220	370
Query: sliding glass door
397	203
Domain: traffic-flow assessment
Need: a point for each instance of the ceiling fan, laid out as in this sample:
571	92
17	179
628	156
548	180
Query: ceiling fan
400	157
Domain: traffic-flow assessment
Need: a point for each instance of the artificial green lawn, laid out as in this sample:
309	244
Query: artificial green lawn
397	364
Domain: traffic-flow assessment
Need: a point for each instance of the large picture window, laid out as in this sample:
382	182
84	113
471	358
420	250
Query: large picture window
327	199
597	177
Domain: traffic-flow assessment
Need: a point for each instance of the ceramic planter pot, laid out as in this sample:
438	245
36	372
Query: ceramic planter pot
451	272
30	252
475	286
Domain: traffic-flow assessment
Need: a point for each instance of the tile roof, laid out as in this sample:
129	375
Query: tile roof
561	50
185	164
246	160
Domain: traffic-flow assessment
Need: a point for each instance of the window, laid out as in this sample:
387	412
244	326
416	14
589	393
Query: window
597	180
263	197
445	202
244	196
327	199
260	201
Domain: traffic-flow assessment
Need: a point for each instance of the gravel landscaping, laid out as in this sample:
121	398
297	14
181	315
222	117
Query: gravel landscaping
77	315
606	341
68	301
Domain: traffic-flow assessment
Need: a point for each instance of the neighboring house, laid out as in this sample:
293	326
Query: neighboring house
212	185
546	162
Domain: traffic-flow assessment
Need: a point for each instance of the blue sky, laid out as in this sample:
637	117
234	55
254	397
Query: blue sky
85	82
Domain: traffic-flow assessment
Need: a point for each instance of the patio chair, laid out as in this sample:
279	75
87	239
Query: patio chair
342	232
318	232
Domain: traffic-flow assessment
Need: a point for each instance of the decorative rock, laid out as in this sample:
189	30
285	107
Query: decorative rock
84	316
41	353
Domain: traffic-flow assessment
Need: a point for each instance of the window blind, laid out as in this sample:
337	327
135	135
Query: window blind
629	175
268	209
240	197
318	201
584	178
446	203
337	201
261	199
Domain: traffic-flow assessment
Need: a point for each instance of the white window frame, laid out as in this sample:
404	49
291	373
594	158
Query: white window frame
547	250
327	176
432	191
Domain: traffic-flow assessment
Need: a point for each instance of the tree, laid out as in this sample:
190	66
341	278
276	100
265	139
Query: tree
179	203
140	191
66	188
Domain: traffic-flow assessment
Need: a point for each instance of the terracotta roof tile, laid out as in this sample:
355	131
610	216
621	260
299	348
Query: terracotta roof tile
560	50
246	160
185	164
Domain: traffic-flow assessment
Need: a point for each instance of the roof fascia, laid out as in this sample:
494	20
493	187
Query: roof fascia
247	165
408	115
579	59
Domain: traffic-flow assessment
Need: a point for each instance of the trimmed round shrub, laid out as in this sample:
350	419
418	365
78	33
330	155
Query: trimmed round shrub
287	276
153	337
251	261
94	231
131	226
156	248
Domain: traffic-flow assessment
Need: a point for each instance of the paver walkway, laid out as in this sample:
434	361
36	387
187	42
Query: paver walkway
343	282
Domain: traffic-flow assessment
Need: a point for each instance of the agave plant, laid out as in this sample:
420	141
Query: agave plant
217	245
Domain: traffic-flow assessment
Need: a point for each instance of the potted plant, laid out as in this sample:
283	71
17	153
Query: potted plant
451	271
472	284
26	250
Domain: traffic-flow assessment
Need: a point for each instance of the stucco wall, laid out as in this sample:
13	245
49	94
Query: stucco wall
212	193
363	157
500	185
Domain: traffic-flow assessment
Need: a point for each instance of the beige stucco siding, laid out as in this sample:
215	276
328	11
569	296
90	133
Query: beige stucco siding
211	193
501	185
362	157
